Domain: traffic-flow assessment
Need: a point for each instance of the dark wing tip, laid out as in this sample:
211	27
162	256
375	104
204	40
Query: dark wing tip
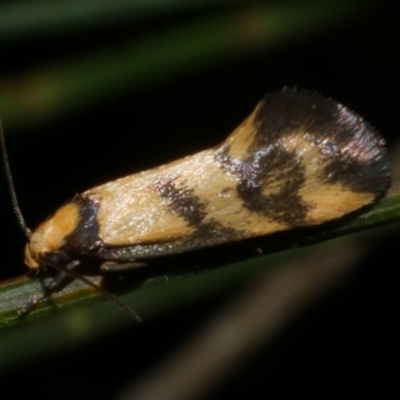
353	152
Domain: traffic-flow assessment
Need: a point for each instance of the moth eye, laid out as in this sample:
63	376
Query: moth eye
55	257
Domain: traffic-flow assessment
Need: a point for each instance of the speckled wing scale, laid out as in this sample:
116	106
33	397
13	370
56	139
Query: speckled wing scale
298	160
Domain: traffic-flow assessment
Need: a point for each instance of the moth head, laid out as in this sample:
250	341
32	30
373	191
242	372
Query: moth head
50	236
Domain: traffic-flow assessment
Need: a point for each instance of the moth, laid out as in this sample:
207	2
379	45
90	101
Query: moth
299	159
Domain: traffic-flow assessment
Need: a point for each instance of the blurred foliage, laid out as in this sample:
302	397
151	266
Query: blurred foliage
76	82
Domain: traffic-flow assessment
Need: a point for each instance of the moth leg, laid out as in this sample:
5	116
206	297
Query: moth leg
57	281
110	266
47	289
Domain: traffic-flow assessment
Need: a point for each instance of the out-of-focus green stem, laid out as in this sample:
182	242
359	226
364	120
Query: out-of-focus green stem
21	19
73	84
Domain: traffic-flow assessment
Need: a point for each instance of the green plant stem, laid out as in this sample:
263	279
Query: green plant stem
16	293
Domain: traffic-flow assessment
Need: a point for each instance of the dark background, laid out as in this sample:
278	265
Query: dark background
347	343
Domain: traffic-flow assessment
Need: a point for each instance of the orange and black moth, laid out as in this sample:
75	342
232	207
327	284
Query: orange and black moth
298	160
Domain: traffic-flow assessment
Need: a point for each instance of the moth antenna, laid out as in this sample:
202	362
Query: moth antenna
28	232
14	199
